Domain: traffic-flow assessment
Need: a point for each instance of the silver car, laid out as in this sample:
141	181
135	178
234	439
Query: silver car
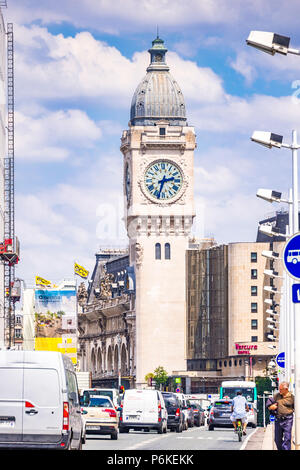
219	415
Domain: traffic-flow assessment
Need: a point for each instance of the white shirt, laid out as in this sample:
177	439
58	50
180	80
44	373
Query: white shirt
239	406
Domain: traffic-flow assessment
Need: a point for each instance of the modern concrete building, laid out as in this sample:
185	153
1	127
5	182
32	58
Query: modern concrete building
227	318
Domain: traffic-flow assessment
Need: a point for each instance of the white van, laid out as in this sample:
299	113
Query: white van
112	393
143	409
39	401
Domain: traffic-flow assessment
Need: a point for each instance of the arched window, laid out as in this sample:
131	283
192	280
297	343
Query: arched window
167	251
157	251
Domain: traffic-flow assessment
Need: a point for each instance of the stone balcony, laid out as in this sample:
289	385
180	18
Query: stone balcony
108	307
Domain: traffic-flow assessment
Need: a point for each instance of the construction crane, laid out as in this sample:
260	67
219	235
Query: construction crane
9	248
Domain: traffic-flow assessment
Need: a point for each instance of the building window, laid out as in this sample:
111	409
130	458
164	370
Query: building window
167	251
162	131
253	290
253	273
254	339
253	307
253	257
253	324
157	251
18	333
235	362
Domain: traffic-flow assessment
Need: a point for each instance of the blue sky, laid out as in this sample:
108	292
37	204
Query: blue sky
76	70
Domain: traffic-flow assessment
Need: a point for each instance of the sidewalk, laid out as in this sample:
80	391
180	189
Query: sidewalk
261	439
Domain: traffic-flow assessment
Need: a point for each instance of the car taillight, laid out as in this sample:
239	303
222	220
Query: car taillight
159	411
111	412
66	416
177	412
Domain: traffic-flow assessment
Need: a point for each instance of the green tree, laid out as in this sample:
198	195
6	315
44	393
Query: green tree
160	376
148	378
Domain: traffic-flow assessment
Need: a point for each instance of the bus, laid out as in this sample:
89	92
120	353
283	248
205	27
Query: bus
248	389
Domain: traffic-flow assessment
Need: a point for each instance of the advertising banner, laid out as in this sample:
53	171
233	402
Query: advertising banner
55	321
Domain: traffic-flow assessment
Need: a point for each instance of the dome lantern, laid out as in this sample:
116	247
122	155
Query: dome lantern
158	96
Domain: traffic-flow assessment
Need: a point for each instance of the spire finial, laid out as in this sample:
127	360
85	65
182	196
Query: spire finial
157	31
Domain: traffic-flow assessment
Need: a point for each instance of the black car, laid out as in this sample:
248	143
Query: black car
199	414
175	413
219	415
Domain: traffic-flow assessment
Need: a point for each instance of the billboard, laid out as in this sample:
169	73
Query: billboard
56	321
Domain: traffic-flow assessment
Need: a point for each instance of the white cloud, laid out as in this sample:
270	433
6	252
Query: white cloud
53	136
244	66
238	115
114	17
54	67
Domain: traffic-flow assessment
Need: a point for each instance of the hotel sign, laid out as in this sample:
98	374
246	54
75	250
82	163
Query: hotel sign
245	349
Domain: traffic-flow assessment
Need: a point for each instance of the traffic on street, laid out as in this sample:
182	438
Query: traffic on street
193	439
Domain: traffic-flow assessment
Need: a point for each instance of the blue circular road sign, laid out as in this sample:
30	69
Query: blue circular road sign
291	256
280	359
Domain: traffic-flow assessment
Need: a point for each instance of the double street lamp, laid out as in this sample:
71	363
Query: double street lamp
274	43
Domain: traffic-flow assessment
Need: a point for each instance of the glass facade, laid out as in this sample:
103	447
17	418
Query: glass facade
207	305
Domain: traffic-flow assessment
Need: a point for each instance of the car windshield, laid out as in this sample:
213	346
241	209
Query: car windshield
195	407
222	405
100	402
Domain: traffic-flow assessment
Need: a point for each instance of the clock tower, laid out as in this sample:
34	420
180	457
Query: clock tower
158	150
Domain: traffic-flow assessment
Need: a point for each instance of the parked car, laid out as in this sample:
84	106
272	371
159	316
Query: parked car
219	415
252	416
199	414
39	401
175	412
112	393
143	409
101	416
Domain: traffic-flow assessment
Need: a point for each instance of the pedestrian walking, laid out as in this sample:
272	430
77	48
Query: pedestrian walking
282	407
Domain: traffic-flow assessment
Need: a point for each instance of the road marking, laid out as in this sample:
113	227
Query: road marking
149	441
247	439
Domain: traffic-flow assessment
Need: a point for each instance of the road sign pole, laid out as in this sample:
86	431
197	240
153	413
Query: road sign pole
296	305
290	306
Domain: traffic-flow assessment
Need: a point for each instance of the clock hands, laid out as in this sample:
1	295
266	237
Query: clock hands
162	182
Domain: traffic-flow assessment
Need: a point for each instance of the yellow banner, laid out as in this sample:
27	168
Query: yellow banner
39	281
80	270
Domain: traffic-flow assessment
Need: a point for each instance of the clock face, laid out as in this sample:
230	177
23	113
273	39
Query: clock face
158	58
163	180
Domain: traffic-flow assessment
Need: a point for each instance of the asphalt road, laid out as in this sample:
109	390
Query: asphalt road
193	439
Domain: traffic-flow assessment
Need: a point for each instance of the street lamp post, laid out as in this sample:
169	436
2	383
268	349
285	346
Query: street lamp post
270	140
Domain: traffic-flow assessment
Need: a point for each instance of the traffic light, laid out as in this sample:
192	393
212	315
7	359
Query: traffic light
122	389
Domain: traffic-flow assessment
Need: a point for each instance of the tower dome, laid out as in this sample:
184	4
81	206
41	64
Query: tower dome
158	96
